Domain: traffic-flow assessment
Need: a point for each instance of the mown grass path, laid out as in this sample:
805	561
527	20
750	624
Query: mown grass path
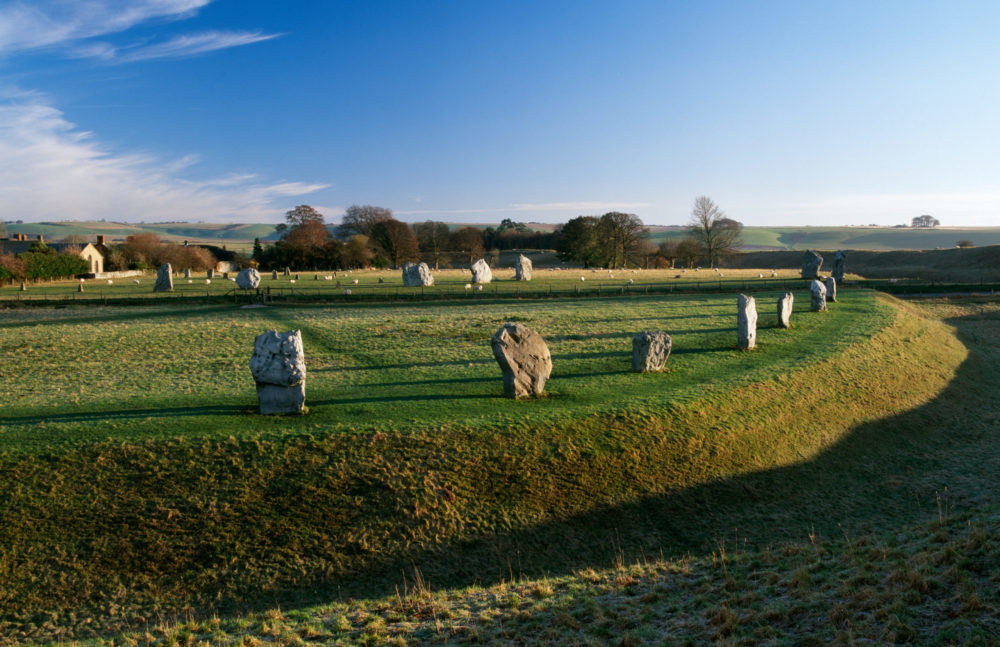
182	506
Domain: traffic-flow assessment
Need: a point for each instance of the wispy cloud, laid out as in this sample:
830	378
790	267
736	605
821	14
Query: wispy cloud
977	207
582	207
177	47
50	169
578	206
32	24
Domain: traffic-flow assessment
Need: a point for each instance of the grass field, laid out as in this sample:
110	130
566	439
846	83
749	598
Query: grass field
447	283
139	483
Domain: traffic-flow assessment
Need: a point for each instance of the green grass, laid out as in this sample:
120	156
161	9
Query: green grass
138	372
448	283
159	489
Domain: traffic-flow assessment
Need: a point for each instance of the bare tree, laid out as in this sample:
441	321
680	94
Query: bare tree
434	239
717	235
360	219
621	234
925	221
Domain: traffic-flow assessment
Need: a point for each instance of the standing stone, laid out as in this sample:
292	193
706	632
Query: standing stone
522	269
811	262
248	279
288	271
24	286
187	272
79	287
831	289
164	279
278	366
650	351
838	265
785	310
481	272
746	323
415	275
210	274
818	303
524	359
274	275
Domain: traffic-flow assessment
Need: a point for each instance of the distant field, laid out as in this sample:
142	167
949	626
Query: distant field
858	238
240	236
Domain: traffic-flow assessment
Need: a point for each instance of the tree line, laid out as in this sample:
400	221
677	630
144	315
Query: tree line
369	236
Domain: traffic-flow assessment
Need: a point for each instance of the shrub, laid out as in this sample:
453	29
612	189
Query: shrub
11	268
49	265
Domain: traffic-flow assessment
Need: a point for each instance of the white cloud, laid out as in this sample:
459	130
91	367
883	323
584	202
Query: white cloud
177	47
40	23
50	169
582	207
578	206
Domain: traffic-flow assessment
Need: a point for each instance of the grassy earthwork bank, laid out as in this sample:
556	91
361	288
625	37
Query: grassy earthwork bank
140	489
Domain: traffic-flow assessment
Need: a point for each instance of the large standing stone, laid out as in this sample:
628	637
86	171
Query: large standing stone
831	289
523	268
274	275
187	272
248	279
416	275
524	359
278	366
811	262
650	351
746	323
818	303
164	279
481	272
838	265
288	271
210	274
785	310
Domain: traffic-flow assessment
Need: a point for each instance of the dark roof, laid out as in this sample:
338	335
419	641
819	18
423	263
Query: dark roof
219	253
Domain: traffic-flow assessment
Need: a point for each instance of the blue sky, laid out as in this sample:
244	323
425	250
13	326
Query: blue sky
785	113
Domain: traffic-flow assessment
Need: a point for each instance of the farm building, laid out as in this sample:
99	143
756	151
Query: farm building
93	254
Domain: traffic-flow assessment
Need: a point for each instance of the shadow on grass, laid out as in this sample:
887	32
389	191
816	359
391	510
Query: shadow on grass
881	477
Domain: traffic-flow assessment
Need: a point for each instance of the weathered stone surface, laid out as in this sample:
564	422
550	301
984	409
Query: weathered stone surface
288	271
831	289
818	303
24	286
785	310
650	351
481	272
187	272
811	262
524	359
746	322
248	279
416	275
278	366
523	268
838	265
164	279
210	274
274	275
